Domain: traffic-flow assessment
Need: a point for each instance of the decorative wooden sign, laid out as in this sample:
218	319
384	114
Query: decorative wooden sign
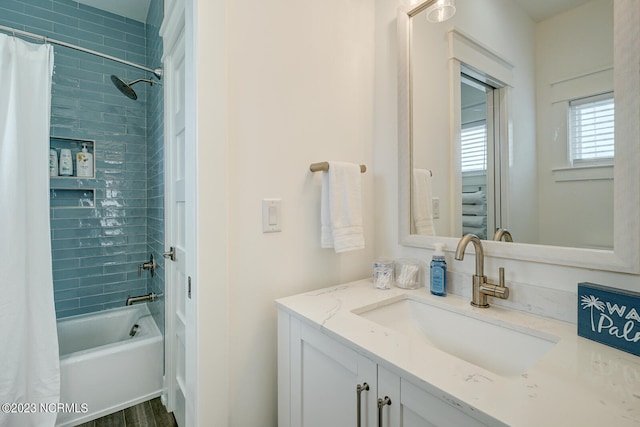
610	316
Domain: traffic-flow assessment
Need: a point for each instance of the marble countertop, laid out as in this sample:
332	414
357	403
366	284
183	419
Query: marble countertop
578	382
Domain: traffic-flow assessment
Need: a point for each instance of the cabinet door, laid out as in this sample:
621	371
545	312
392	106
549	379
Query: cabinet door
412	406
324	378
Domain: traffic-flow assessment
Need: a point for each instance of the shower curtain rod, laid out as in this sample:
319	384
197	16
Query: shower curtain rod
157	72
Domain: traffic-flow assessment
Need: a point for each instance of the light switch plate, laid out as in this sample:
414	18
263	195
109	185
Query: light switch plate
271	215
435	207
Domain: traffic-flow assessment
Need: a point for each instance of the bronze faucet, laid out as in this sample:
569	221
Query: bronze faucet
481	288
502	233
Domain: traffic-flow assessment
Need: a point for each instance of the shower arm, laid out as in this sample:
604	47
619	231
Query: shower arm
150	81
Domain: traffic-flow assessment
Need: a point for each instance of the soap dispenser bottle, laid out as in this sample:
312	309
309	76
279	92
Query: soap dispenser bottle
84	163
438	272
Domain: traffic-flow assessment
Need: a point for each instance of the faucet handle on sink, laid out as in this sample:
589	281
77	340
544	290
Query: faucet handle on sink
499	290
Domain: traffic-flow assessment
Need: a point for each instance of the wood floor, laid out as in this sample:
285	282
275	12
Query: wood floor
146	414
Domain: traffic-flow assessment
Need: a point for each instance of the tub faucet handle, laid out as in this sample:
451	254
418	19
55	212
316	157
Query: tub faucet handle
149	265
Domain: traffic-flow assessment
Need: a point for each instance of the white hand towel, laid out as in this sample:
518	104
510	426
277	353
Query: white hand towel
341	208
421	203
476	198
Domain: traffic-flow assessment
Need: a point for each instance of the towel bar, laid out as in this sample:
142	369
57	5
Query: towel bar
426	170
324	167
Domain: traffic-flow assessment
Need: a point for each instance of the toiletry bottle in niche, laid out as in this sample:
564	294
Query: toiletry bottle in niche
53	162
84	163
66	164
438	272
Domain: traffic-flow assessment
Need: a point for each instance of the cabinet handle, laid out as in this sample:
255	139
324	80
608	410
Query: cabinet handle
359	390
381	403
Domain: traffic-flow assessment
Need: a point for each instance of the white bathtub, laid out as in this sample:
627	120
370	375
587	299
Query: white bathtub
102	368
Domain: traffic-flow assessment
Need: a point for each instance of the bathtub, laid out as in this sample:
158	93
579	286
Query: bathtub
102	368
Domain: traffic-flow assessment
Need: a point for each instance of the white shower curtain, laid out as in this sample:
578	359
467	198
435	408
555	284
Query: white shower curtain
29	362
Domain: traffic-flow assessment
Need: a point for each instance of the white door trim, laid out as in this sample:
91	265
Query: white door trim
207	191
178	356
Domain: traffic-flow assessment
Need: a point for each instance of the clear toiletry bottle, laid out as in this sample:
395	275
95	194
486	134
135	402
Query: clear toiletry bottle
84	163
438	272
382	273
66	164
53	162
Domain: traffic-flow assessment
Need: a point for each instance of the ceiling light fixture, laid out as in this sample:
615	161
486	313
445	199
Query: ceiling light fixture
441	10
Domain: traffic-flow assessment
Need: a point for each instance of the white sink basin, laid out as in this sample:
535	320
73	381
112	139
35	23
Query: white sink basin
503	348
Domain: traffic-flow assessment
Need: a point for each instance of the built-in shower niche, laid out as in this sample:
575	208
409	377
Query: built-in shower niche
75	145
73	191
72	198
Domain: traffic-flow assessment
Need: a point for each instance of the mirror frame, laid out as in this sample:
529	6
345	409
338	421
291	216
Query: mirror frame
625	256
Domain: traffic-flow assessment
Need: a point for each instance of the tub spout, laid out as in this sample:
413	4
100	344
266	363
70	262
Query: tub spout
149	297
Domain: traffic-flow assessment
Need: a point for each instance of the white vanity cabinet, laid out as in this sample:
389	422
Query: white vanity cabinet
411	406
327	346
318	379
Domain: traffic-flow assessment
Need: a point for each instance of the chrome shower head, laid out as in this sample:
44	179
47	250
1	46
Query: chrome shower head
126	88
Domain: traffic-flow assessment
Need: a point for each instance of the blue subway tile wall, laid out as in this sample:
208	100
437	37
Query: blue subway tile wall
155	161
96	251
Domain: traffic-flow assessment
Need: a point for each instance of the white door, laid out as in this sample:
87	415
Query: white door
177	282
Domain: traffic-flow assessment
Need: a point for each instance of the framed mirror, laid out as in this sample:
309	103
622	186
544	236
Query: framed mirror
512	81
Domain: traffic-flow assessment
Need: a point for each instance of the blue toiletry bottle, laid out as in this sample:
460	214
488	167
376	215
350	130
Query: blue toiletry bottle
439	272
